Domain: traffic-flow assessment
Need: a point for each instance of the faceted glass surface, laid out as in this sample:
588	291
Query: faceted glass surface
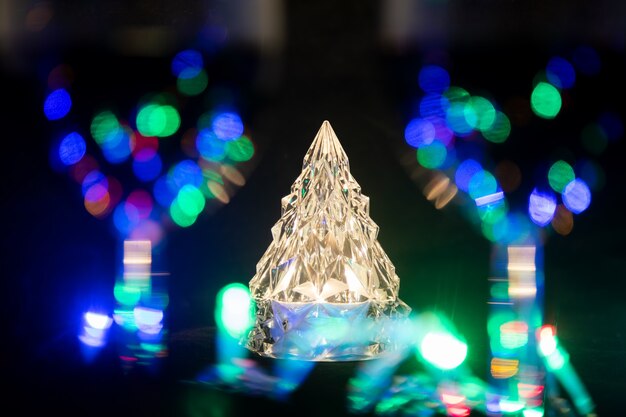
325	289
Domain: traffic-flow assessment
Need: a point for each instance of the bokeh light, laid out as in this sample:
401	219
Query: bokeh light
563	221
560	174
138	205
542	206
560	73
499	130
191	83
433	79
461	118
464	173
443	350
147	164
104	125
481	184
577	196
183	173
545	100
57	104
227	125
432	155
179	216
433	105
98	320
188	60
234	312
240	150
419	132
72	148
483	112
190	200
158	120
210	146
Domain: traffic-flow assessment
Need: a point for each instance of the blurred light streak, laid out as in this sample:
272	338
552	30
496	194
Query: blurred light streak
516	382
556	360
141	305
504	368
444	198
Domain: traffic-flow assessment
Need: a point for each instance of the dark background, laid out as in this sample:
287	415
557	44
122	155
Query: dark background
353	63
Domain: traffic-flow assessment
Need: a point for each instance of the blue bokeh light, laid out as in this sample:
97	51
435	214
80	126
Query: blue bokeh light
419	132
95	177
57	104
464	173
210	146
187	64
163	193
147	164
72	148
227	126
434	105
560	73
577	196
116	146
434	79
541	206
185	172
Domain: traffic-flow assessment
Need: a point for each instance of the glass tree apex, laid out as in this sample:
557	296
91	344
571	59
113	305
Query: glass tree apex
325	290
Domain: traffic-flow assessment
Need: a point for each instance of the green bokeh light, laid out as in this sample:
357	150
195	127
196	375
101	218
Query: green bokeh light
157	120
432	155
484	113
179	217
126	295
481	184
560	174
102	125
499	130
193	86
151	120
545	100
190	200
240	150
494	212
234	310
456	94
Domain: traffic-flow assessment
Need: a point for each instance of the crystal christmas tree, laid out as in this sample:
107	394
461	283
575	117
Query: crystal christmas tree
325	290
